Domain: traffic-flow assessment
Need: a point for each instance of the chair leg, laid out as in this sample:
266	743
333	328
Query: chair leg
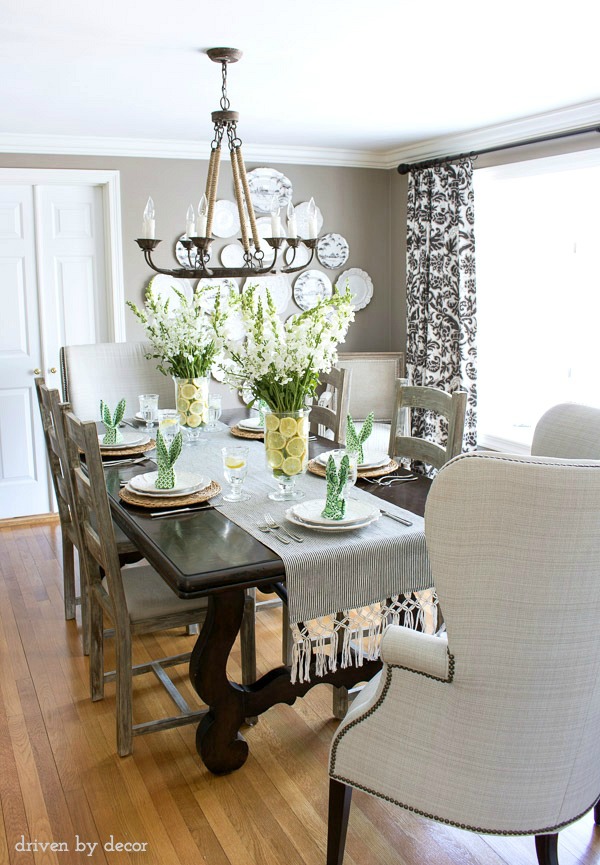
340	702
68	577
124	696
192	630
340	796
597	813
95	637
286	637
546	847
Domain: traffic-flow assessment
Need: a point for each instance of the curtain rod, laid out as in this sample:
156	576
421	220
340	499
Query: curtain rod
405	167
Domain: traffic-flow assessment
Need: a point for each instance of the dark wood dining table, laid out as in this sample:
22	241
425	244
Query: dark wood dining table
204	554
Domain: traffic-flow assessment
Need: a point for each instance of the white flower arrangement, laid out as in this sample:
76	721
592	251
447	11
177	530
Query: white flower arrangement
280	362
185	340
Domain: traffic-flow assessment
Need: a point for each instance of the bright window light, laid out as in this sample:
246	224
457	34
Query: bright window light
537	237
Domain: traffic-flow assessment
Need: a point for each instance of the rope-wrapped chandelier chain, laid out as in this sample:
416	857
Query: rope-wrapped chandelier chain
198	247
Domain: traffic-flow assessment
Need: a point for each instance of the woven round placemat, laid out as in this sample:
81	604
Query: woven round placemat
107	453
317	469
245	434
154	502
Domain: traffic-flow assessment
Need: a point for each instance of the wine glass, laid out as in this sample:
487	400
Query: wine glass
149	409
235	469
352	455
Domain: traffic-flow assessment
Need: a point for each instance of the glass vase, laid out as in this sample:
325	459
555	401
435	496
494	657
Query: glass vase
191	399
286	450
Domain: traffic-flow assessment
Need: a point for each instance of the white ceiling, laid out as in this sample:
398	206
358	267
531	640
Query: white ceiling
378	77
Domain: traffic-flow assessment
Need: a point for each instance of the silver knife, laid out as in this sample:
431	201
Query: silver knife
398	519
175	511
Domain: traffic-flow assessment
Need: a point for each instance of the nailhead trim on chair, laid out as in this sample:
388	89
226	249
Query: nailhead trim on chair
481	831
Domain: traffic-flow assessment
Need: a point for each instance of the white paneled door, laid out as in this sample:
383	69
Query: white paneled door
54	292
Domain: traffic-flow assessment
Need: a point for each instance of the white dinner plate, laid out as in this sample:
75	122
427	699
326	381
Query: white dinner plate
332	527
311	287
128	440
232	255
333	250
356	512
209	288
226	219
278	286
268	187
251	423
372	461
163	289
360	284
185	482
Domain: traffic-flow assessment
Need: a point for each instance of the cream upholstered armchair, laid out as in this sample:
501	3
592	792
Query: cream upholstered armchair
568	430
496	728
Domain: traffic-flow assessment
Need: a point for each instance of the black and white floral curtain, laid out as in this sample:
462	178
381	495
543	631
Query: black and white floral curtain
441	306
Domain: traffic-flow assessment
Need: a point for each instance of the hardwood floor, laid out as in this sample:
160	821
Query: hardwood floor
61	781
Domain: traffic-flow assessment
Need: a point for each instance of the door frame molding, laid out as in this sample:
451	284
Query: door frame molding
110	183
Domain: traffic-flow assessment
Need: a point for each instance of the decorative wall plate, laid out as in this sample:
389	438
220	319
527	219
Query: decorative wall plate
361	286
278	286
266	184
210	288
311	287
162	288
333	250
301	211
226	219
232	255
182	256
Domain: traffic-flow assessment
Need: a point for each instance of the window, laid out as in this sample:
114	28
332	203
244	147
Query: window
537	236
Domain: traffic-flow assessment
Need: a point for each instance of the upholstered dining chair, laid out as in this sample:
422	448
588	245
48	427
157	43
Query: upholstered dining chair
51	412
568	430
332	413
111	371
135	599
494	727
452	407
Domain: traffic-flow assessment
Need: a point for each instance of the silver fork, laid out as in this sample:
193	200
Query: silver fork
271	531
275	525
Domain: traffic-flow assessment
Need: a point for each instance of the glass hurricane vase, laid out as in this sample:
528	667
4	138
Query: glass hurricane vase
286	450
191	399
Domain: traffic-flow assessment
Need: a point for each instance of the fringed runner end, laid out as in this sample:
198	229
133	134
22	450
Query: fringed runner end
362	632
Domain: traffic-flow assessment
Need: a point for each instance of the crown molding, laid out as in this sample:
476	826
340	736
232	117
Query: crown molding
561	120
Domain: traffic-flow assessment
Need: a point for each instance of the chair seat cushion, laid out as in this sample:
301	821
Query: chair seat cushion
149	596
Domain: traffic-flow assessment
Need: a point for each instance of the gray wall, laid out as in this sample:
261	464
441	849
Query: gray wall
355	203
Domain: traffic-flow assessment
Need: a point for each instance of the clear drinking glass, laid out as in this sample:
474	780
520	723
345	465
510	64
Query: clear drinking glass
149	409
168	424
235	469
214	411
353	460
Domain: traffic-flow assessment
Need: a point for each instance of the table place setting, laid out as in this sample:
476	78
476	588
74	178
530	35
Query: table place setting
115	442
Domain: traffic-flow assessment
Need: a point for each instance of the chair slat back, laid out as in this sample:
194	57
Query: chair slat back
453	407
373	382
334	416
49	401
92	507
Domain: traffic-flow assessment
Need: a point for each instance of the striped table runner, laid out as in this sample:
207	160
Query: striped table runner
346	585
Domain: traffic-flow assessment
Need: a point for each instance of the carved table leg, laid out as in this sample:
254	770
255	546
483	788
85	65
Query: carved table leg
218	740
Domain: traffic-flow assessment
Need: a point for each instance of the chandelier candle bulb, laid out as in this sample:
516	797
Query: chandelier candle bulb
276	228
202	217
190	222
149	221
292	223
312	219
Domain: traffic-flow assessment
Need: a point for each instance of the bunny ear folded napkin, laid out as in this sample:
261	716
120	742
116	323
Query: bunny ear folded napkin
166	457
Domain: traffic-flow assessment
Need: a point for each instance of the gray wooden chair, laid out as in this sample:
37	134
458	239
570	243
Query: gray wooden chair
452	407
52	422
332	413
493	727
135	599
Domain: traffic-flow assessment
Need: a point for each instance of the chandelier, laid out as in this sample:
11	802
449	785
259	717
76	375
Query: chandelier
281	252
